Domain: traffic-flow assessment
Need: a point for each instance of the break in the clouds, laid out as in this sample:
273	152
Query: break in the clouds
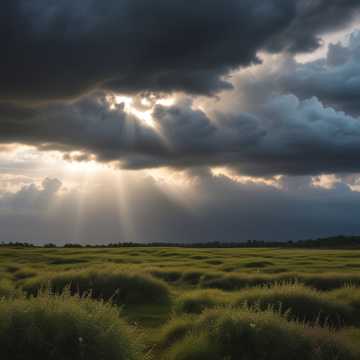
61	50
291	118
216	89
284	136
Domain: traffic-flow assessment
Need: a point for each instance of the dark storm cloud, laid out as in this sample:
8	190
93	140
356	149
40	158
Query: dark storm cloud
87	125
334	79
314	18
55	50
185	136
62	49
221	211
284	136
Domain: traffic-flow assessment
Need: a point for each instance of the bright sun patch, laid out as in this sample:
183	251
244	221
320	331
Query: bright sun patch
142	108
274	181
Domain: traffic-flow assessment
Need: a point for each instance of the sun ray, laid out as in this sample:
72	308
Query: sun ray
120	187
177	186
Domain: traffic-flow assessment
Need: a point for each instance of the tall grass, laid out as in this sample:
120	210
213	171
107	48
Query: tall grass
244	335
120	286
64	327
7	289
239	304
299	302
195	302
348	294
24	273
323	282
295	301
236	281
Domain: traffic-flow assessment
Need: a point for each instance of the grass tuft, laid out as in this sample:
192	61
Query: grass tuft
7	289
195	302
242	335
62	327
235	281
298	302
121	287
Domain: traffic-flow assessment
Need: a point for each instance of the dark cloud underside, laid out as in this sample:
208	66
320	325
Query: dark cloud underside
62	49
285	136
62	60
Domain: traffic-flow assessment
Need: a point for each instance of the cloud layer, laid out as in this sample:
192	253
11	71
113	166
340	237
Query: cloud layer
222	210
281	121
284	136
61	50
87	78
333	79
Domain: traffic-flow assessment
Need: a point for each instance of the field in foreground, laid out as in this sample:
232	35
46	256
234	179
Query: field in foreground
177	303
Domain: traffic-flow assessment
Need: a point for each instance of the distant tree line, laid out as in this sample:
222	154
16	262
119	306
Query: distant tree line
336	242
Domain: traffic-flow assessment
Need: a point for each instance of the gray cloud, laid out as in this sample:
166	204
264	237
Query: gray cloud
221	211
30	198
60	59
63	50
314	18
284	136
57	50
334	79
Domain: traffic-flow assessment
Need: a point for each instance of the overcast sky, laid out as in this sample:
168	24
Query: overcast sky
209	120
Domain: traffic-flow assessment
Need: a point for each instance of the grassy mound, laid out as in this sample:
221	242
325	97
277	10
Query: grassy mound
24	273
299	303
7	289
195	302
64	327
349	295
121	287
230	282
330	281
234	281
174	331
168	276
243	335
191	277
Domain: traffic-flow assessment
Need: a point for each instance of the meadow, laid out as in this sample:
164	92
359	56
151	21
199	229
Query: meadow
179	303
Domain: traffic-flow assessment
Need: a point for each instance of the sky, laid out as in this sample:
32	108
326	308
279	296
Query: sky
178	121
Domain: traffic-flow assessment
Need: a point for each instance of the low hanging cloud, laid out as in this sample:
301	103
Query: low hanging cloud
30	198
65	59
284	136
222	210
267	146
63	49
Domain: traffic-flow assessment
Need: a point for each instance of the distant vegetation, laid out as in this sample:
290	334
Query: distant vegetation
179	303
336	242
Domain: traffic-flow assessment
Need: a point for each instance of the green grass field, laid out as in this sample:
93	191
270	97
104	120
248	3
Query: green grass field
180	303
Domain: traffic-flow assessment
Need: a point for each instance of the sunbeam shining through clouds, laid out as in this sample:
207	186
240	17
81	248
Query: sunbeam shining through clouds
180	180
179	122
